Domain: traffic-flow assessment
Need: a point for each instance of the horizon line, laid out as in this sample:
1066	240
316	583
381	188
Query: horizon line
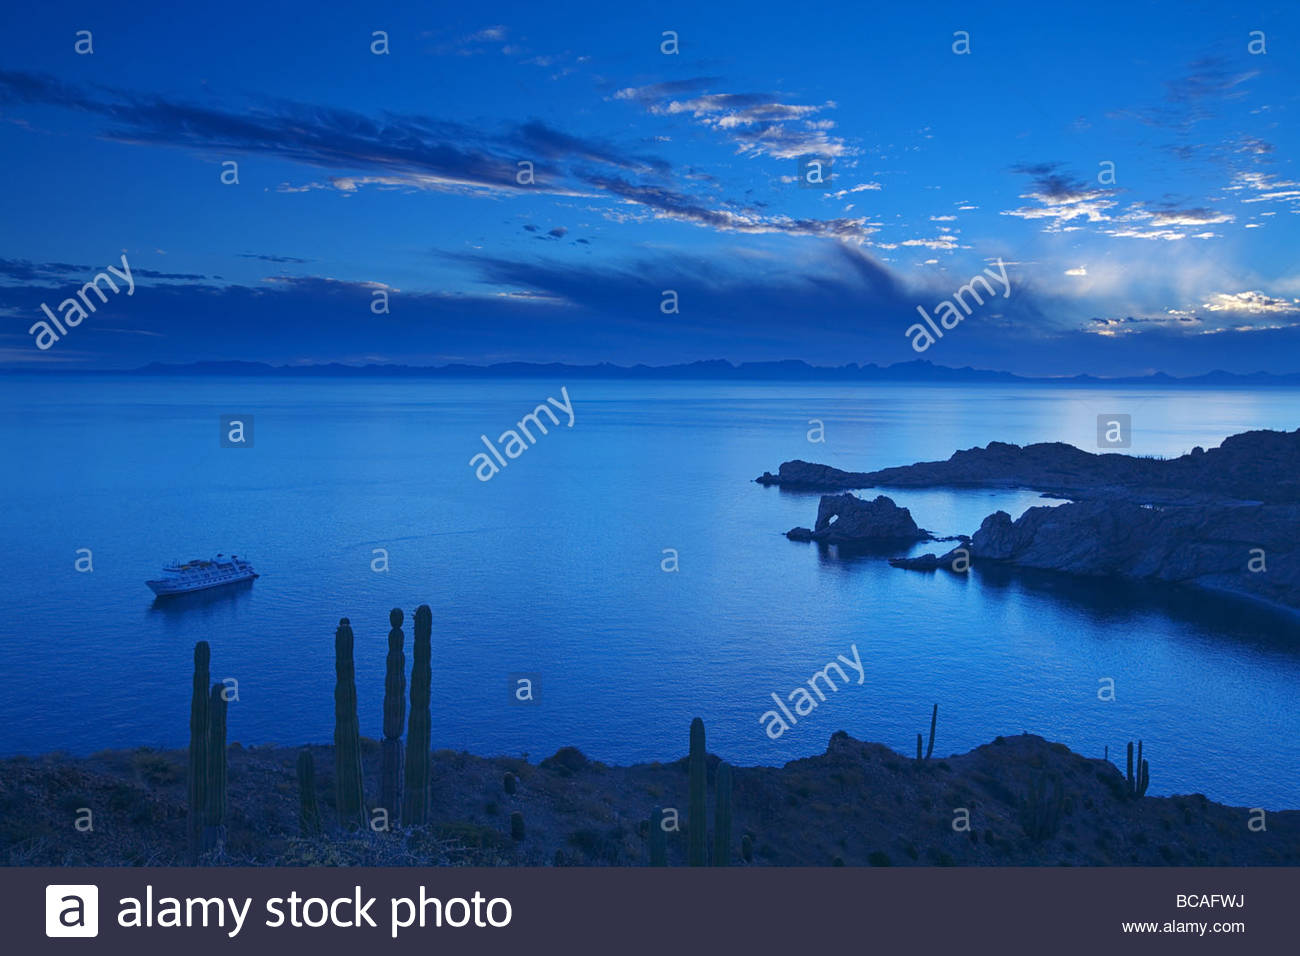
703	369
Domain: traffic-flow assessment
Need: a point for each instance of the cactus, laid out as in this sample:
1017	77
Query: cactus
1040	810
510	783
722	817
747	848
394	716
415	806
308	813
1137	783
214	816
697	824
657	838
347	733
516	826
918	748
934	718
197	769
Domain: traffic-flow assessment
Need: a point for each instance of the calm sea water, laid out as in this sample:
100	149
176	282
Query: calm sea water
553	568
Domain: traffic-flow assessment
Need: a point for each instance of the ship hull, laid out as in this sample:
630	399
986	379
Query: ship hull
172	589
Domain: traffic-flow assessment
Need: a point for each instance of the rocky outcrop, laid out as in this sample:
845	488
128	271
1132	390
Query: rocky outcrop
1248	549
1227	519
1261	466
957	560
805	474
848	519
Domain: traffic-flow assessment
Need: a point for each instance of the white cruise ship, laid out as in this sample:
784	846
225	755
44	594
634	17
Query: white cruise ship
200	574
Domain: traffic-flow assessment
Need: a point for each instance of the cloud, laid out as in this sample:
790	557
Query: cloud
420	152
487	34
1264	187
669	204
1062	198
759	124
1080	271
1195	96
397	150
1251	303
1189	217
25	271
942	242
281	259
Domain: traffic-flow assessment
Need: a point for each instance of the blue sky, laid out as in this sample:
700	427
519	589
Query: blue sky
397	173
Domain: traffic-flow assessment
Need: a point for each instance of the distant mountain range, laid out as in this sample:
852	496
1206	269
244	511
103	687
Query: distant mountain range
718	369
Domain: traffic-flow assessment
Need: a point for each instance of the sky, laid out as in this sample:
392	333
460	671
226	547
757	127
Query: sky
423	184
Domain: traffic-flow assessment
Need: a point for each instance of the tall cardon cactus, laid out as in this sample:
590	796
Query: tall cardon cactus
415	805
697	846
347	733
197	769
394	716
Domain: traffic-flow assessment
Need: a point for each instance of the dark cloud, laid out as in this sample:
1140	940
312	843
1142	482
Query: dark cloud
428	153
152	274
418	150
843	307
536	139
675	205
279	259
24	271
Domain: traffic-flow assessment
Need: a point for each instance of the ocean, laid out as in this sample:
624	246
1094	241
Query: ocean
359	495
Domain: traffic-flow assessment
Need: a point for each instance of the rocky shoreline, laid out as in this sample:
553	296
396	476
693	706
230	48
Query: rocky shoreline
1225	520
1017	801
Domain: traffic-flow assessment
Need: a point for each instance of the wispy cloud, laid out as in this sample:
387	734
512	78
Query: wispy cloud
756	123
1061	198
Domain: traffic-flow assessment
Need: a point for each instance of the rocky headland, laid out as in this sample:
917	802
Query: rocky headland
1227	519
847	519
1030	802
1257	466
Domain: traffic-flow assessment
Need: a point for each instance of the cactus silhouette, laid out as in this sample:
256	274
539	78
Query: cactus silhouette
214	816
697	824
934	718
510	782
415	806
308	814
516	826
1139	781
197	769
747	848
347	733
722	817
657	839
394	716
